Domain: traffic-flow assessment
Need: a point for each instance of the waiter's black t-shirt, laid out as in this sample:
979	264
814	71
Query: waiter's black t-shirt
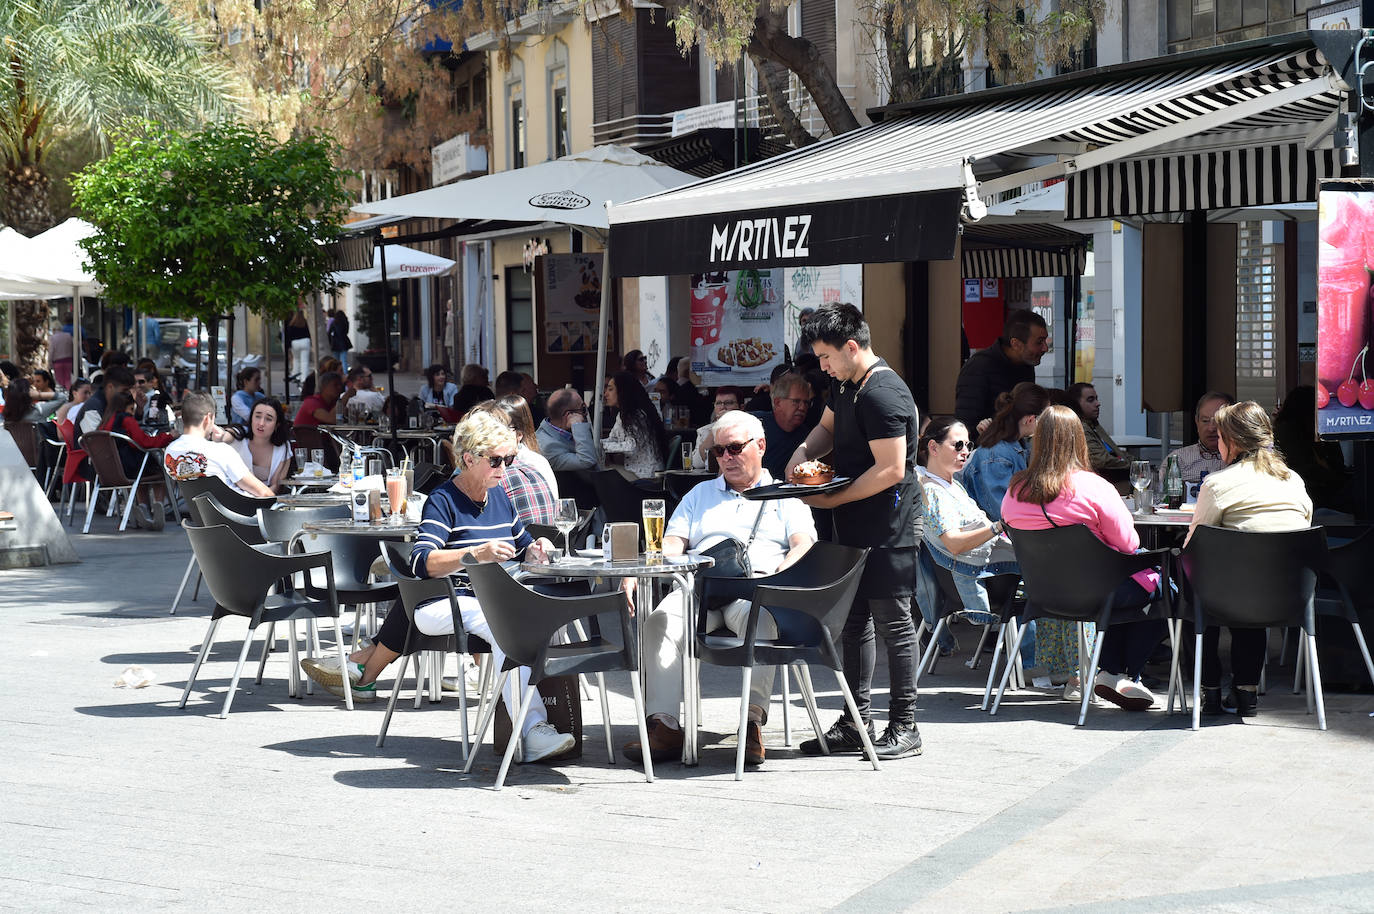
881	408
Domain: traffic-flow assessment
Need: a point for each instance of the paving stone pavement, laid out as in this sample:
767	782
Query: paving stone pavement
115	800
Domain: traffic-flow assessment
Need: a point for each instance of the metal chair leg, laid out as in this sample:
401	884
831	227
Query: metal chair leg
1197	680
391	705
786	706
293	679
927	662
643	725
1013	637
748	675
1364	649
606	717
1299	656
996	658
869	751
1085	684
462	702
347	685
484	721
90	508
517	728
266	649
1316	689
200	659
238	671
176	601
809	699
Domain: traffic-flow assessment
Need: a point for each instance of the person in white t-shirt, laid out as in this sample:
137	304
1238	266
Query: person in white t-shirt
203	449
360	380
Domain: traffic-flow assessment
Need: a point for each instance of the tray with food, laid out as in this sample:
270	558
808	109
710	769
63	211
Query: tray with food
809	478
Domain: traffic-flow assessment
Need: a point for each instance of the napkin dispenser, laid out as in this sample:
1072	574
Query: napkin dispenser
621	543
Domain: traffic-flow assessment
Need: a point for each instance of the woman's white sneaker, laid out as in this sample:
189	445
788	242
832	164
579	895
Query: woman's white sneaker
543	741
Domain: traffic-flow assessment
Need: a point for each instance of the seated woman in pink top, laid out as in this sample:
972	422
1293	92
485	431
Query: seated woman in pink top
1058	489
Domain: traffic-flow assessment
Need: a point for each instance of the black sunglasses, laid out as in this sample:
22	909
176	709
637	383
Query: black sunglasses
734	449
495	462
961	445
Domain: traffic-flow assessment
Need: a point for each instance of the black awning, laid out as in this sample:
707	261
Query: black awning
890	229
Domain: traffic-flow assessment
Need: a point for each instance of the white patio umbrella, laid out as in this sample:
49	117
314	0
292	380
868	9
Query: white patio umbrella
573	190
401	263
54	264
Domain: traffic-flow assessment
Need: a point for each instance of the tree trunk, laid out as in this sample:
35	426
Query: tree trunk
775	88
25	205
771	42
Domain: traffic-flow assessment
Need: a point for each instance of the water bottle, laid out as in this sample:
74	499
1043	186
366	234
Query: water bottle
359	466
1173	485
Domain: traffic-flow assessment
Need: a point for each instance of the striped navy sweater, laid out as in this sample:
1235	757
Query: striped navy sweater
454	521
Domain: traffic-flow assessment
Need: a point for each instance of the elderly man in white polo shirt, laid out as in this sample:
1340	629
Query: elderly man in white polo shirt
711	512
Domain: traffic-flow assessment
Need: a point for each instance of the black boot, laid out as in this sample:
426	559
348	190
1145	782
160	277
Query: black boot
1211	700
1241	702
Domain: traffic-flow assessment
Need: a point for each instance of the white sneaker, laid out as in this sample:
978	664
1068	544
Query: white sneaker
543	741
325	671
1123	691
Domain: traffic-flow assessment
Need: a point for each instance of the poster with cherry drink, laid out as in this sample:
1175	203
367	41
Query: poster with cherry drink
1345	256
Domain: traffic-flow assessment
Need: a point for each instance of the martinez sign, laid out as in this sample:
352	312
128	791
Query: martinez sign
766	239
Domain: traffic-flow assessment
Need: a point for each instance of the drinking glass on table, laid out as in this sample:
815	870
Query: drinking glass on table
374	467
301	454
317	458
687	449
653	509
566	519
1142	476
396	493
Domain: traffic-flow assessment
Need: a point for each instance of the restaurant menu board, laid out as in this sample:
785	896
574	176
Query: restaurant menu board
736	326
572	302
1345	254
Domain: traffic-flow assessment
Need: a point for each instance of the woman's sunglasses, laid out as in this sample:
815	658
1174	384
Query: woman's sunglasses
735	449
495	462
961	445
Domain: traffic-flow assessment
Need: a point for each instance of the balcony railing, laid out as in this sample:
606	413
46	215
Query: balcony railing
639	129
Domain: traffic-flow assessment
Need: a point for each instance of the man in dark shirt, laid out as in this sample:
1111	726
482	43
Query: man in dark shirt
474	389
869	432
1000	367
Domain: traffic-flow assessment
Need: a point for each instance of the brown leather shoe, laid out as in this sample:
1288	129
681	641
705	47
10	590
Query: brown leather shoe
665	743
753	744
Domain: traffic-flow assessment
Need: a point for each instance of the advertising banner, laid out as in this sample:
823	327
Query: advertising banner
736	326
1345	251
807	288
572	302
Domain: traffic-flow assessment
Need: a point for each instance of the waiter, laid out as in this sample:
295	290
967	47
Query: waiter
869	431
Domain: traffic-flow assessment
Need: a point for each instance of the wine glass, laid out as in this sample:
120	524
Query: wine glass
1142	476
565	520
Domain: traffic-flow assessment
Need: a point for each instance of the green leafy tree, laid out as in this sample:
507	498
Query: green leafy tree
192	225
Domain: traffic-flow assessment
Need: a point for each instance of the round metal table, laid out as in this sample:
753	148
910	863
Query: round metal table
680	570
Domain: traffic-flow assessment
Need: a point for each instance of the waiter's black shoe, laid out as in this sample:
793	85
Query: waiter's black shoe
899	741
842	736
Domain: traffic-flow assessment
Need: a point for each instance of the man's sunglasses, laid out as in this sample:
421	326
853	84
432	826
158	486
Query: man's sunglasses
734	449
494	462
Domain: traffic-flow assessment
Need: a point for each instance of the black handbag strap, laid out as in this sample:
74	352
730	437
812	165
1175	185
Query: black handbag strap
1047	516
753	531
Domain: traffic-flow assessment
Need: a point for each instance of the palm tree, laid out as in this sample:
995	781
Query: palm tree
76	66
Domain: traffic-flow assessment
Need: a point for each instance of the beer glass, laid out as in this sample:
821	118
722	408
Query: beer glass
653	512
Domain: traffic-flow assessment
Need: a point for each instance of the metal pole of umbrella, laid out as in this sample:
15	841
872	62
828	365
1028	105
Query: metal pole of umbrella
602	332
78	357
380	243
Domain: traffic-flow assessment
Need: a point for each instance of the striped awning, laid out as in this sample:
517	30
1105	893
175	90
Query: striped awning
895	190
1215	179
1022	262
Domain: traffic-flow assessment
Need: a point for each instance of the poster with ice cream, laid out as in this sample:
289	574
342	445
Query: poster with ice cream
1345	255
736	324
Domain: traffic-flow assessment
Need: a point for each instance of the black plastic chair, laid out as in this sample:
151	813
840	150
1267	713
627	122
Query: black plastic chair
1068	573
1001	589
414	592
1347	567
577	484
241	578
353	556
809	601
213	513
622	500
524	623
229	498
1256	580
